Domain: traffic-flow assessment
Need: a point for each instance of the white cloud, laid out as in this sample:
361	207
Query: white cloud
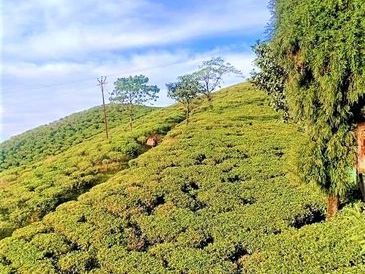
53	51
31	104
65	29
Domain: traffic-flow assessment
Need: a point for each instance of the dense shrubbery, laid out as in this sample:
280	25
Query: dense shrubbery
321	47
330	247
192	205
270	77
214	197
29	192
58	136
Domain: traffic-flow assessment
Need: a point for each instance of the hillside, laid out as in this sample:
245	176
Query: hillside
58	136
30	191
219	195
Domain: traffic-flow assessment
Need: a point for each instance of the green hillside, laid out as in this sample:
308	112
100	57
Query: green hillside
219	195
58	136
29	192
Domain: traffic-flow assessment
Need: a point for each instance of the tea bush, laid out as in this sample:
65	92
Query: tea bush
56	137
219	195
321	248
29	192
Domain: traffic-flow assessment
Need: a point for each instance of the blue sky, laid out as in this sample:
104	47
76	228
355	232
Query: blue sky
53	51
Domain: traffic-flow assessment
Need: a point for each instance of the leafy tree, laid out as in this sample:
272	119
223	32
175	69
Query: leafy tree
210	75
131	91
185	91
270	77
321	45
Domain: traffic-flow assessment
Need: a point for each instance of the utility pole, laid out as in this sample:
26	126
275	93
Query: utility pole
102	82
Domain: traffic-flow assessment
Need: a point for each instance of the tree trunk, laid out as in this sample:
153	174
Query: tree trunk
130	122
187	113
210	99
361	184
210	104
332	205
130	116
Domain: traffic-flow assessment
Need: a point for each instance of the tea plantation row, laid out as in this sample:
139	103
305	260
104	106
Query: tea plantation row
219	195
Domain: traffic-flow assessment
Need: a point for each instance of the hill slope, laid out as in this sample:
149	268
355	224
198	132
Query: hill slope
30	191
213	197
56	137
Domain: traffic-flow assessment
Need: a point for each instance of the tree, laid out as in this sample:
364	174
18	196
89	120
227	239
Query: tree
210	75
132	91
270	77
321	45
185	91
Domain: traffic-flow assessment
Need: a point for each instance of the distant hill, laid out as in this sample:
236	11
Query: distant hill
58	136
219	195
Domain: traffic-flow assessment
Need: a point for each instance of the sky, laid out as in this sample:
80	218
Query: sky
53	51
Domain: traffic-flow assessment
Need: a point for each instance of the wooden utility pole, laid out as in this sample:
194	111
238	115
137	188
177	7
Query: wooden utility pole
102	82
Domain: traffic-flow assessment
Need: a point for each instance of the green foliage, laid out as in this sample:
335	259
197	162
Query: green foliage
52	139
185	91
133	91
211	72
270	77
31	191
321	45
196	205
322	248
